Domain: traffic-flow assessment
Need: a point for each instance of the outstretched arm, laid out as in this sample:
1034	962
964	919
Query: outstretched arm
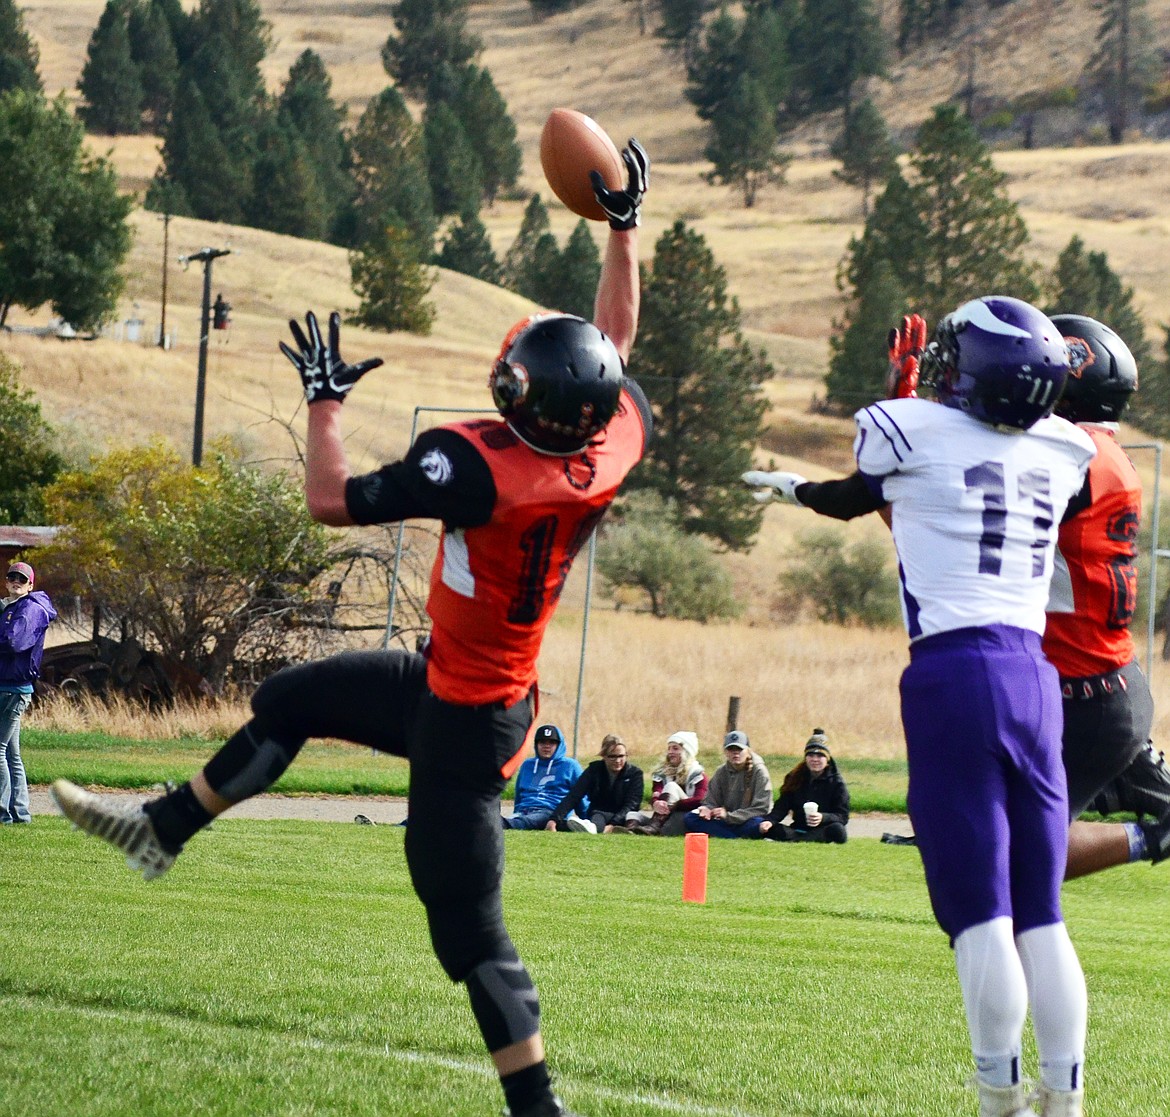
619	290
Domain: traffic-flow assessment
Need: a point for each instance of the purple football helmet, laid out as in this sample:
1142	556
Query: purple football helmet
998	359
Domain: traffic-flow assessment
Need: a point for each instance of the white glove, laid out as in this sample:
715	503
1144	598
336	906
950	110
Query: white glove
778	485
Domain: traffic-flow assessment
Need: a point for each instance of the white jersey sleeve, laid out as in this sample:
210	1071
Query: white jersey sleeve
974	510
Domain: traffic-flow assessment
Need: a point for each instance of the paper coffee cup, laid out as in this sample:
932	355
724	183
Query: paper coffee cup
810	807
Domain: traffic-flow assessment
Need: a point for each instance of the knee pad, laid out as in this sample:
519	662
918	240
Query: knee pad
504	1001
250	762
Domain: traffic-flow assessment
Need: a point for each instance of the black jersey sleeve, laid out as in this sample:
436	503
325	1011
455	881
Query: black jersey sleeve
1079	502
842	500
635	392
443	477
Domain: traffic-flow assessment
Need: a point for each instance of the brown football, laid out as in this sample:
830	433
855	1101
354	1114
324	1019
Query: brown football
572	145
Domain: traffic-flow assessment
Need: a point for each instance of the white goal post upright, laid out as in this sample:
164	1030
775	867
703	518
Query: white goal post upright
386	637
1155	551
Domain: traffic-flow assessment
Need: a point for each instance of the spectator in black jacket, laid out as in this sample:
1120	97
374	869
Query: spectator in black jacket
815	795
613	786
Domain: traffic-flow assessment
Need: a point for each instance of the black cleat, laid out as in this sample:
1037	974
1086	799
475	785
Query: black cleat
552	1106
1157	838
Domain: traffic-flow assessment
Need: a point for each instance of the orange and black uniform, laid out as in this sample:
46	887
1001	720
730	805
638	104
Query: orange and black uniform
460	710
1108	709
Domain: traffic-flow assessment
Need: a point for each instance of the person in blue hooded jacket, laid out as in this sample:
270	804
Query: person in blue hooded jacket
542	781
24	616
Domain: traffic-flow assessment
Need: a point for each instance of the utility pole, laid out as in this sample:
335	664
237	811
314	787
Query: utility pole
162	326
204	256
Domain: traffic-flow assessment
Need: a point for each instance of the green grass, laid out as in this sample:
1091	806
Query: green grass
98	759
284	968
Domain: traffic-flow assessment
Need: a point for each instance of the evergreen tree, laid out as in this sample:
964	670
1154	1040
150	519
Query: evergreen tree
1084	283
19	56
28	456
467	248
291	199
431	33
865	150
390	173
152	46
766	47
306	107
839	44
716	66
743	146
704	384
453	168
1125	62
975	235
63	231
110	87
857	365
490	130
575	273
1149	406
892	234
542	8
520	260
681	20
392	282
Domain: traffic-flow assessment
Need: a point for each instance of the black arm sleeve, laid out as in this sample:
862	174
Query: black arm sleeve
634	390
443	477
842	500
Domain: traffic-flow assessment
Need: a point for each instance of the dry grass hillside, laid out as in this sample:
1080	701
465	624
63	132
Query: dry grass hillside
780	257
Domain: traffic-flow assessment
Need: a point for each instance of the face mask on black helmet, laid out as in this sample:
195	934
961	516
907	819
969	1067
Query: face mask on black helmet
1103	373
556	382
998	359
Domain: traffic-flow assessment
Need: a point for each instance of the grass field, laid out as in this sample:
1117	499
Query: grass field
283	968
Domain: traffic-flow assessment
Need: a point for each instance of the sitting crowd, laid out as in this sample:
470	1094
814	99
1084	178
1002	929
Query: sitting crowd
553	792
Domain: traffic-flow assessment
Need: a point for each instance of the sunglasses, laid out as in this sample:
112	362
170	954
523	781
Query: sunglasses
18	578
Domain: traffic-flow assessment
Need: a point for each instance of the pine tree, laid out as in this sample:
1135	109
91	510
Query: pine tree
306	107
716	66
744	144
453	168
520	259
392	282
857	365
491	132
839	44
467	248
576	273
975	236
291	199
1084	283
110	87
704	383
19	56
681	20
892	234
390	173
152	46
431	33
866	152
1125	62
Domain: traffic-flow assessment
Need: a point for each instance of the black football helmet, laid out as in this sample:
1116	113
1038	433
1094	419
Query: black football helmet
556	382
1103	373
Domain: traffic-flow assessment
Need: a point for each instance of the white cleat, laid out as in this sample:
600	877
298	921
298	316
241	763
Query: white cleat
1003	1101
124	824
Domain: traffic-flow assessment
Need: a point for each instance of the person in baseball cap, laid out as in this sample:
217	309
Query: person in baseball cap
21	570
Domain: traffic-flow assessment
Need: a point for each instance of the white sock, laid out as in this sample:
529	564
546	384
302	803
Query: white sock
1060	1003
995	996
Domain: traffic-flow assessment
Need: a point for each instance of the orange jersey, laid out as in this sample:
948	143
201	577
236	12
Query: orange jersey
1094	589
494	588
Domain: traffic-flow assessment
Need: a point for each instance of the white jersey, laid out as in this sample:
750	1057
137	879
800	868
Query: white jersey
975	510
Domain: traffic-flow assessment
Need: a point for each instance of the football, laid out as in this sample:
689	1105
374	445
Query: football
572	145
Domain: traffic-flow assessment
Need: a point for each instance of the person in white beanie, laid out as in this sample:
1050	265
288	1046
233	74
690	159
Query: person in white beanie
677	785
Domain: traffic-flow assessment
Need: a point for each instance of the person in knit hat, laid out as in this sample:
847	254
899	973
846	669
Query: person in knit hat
815	795
738	796
677	786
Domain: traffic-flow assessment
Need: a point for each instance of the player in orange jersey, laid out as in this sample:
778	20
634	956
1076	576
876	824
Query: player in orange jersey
517	496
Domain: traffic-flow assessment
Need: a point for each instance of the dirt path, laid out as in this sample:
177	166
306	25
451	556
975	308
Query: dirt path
387	810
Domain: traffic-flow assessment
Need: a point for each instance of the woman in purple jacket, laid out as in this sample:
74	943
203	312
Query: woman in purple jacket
25	616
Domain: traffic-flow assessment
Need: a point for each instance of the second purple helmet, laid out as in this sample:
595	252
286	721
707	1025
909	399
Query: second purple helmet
998	359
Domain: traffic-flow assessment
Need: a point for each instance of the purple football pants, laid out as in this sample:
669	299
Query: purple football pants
981	709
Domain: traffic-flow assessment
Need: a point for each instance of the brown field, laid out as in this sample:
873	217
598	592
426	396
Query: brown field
644	678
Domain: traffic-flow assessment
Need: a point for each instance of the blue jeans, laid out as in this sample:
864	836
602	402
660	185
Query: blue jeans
533	819
13	782
717	828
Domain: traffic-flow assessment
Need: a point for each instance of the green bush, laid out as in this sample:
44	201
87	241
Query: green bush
843	585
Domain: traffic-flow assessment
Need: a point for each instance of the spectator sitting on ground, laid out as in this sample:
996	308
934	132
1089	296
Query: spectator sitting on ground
542	781
613	786
738	796
677	786
815	795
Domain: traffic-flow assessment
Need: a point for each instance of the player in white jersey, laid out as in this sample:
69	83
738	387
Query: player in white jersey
976	490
